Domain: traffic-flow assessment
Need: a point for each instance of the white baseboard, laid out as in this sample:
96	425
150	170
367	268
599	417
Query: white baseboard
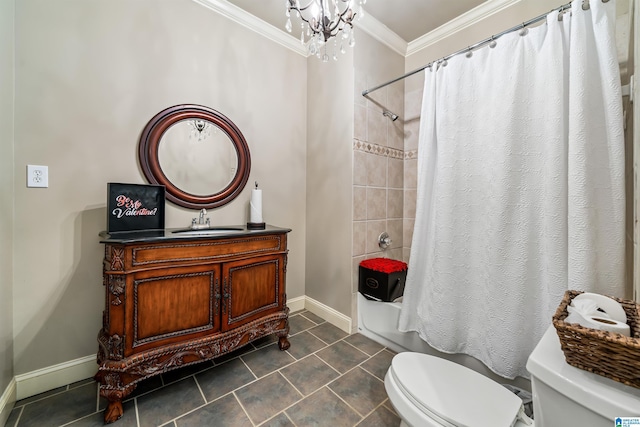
7	401
55	376
329	314
296	304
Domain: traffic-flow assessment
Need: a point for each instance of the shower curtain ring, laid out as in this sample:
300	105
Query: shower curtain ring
493	43
469	52
585	5
524	30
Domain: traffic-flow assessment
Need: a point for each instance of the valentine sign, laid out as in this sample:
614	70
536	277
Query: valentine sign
134	207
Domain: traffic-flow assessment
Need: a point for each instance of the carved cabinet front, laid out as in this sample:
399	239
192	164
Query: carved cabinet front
173	303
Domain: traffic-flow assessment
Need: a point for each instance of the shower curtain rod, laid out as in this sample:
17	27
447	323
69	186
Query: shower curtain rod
560	9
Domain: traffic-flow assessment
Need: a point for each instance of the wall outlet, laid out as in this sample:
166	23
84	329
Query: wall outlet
37	176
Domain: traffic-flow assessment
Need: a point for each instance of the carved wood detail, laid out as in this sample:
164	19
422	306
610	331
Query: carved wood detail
115	257
110	346
116	287
171	358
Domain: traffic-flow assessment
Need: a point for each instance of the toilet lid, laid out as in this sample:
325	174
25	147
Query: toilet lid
456	394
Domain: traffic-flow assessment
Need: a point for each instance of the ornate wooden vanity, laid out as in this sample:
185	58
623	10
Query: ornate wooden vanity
174	299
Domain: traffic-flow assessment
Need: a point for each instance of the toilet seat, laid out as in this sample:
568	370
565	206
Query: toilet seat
450	394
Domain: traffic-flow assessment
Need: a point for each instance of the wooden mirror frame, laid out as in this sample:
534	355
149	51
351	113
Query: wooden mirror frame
150	165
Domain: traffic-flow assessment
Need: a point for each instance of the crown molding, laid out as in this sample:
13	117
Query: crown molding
368	24
382	33
463	21
257	25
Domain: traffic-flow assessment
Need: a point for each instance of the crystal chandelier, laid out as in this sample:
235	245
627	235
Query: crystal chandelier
325	19
200	130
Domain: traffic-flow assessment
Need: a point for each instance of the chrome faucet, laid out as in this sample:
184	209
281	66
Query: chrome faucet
201	223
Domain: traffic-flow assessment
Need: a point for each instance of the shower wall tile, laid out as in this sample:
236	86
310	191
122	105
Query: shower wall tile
376	170
411	129
359	238
395	99
410	203
359	203
396	172
414	83
360	83
413	105
395	204
395	134
359	168
378	98
395	230
360	123
406	254
376	127
374	228
407	235
376	203
394	254
411	174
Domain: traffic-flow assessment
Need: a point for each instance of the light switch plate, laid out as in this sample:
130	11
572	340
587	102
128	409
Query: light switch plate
37	176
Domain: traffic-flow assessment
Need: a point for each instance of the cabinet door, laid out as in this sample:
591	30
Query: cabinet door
171	305
251	289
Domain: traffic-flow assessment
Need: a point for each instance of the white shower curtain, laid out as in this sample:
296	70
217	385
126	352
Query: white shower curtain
520	188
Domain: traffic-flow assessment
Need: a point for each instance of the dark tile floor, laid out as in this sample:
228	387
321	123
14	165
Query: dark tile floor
326	378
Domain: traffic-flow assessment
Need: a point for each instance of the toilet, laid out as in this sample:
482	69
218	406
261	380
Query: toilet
429	391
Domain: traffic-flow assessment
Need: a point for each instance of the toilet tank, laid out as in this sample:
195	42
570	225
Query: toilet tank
567	396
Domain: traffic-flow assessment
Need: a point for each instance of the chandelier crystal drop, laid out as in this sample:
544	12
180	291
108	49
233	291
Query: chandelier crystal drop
324	19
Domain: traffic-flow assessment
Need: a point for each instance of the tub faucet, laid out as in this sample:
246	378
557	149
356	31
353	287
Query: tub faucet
201	222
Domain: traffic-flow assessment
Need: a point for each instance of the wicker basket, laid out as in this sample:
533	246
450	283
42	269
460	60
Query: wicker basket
604	353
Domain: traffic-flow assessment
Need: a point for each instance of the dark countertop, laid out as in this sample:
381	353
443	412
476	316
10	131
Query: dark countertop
172	234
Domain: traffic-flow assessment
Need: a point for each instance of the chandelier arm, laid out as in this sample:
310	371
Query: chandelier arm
340	18
292	6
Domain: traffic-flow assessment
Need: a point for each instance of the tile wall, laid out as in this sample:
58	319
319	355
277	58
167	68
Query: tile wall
378	172
412	107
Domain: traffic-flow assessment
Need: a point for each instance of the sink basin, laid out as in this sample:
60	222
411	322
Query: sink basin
207	231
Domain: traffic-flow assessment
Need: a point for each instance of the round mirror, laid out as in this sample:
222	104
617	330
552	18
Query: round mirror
198	154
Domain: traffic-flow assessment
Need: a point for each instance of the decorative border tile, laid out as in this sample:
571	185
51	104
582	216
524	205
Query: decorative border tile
378	150
411	154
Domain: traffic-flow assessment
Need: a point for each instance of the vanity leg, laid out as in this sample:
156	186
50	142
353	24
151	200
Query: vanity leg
113	412
111	388
283	343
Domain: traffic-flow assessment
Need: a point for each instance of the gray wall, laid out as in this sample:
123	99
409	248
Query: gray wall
329	156
6	194
89	76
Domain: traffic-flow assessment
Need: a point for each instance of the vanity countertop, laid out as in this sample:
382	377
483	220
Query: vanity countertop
169	234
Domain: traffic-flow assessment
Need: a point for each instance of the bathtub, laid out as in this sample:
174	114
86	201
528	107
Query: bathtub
379	321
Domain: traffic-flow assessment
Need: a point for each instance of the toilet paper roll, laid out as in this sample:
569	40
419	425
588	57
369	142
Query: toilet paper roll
608	325
255	214
608	305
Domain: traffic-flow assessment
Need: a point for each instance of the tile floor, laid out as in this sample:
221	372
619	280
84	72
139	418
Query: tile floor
326	378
